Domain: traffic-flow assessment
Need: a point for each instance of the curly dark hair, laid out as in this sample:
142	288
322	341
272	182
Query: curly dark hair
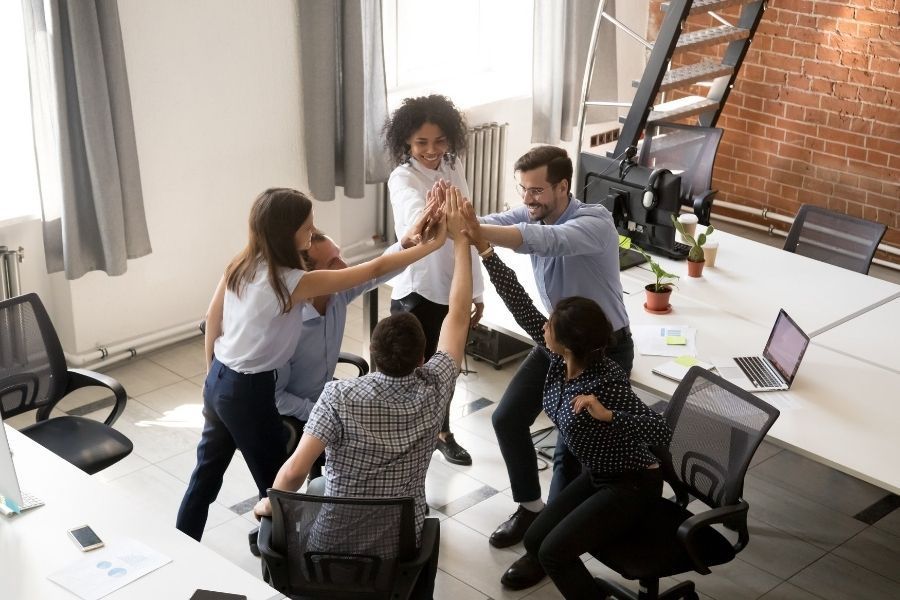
415	112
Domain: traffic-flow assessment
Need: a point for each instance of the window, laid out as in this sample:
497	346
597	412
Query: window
474	51
18	174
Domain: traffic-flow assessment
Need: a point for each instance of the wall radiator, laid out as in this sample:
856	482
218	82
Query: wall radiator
484	166
10	283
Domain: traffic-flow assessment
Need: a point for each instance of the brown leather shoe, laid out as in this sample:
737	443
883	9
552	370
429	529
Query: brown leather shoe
511	531
523	573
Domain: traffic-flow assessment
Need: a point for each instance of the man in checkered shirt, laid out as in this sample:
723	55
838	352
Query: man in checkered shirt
378	432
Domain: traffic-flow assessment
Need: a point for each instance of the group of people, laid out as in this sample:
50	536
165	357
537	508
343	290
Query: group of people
276	321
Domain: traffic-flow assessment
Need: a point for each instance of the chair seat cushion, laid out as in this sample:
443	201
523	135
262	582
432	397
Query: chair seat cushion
652	549
89	445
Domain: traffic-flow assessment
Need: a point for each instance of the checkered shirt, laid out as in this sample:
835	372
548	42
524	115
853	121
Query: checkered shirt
380	431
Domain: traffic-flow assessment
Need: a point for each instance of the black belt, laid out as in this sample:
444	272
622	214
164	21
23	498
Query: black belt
620	334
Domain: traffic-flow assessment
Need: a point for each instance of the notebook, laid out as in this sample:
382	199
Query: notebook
12	499
776	368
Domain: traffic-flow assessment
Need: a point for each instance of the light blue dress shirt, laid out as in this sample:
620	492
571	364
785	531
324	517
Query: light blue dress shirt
312	365
578	255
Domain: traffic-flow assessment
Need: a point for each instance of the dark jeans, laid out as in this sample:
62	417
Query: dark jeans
589	514
240	414
431	316
519	407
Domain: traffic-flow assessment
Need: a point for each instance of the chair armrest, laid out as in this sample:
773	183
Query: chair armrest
357	361
274	562
431	532
723	514
81	378
703	205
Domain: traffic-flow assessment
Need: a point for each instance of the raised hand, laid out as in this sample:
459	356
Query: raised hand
591	404
472	228
452	212
431	212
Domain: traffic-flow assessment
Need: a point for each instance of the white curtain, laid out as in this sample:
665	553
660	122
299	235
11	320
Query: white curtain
90	182
344	95
562	35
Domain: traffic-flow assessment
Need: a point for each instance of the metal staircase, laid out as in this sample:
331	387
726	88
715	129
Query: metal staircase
649	106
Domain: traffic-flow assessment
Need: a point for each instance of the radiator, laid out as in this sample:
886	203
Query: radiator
10	284
486	150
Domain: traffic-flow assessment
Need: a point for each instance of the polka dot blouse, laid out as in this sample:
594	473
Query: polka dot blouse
603	448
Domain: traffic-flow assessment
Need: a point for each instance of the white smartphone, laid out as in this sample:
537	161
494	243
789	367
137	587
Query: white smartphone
85	538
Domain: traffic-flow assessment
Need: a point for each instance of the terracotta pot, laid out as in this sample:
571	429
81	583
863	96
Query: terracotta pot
695	269
657	301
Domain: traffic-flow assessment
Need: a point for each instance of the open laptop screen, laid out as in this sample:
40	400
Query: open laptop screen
786	346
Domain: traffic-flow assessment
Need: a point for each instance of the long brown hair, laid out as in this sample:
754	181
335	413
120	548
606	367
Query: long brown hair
275	217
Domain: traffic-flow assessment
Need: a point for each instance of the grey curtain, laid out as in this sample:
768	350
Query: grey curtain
562	34
344	95
84	137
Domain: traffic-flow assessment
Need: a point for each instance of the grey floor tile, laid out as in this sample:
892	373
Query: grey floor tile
890	523
789	591
874	549
778	552
819	483
141	376
798	516
737	580
765	451
834	578
447	587
187	358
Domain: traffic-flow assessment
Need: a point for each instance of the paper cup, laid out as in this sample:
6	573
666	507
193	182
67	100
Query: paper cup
710	250
689	222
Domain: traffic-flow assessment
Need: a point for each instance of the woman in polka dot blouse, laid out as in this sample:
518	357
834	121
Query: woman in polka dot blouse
605	425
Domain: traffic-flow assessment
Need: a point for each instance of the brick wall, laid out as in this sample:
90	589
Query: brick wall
814	116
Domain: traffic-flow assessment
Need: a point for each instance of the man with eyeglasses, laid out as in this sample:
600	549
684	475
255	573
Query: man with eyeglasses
574	252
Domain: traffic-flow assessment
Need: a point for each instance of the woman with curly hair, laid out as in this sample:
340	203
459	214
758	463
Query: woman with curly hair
424	137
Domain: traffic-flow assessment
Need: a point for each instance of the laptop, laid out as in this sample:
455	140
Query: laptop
12	499
776	368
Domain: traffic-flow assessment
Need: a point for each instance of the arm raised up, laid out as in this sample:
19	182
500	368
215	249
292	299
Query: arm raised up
455	328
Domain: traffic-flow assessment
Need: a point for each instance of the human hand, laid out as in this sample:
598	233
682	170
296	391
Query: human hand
477	311
454	200
472	228
431	212
590	403
263	508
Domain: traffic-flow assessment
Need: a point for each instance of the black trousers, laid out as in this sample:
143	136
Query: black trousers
589	514
431	316
519	407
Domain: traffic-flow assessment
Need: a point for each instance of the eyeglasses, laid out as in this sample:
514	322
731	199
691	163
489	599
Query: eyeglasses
534	192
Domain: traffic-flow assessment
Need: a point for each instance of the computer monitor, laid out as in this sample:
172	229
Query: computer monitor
620	185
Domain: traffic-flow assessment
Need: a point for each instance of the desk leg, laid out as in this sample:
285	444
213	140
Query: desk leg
370	319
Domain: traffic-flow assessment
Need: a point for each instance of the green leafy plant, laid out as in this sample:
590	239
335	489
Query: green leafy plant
695	254
662	275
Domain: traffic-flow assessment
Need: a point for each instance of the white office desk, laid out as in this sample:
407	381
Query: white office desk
872	337
754	280
34	544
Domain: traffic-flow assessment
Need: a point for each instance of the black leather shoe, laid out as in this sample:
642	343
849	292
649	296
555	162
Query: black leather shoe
453	452
523	573
511	531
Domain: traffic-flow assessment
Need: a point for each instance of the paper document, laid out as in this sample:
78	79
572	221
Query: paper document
103	571
665	340
678	368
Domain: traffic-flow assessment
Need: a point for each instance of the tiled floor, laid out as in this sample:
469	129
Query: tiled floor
806	540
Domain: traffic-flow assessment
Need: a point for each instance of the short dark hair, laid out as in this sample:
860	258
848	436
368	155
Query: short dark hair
316	237
398	344
415	112
557	161
580	325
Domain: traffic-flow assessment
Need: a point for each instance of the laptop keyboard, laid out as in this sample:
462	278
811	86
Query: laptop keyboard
758	372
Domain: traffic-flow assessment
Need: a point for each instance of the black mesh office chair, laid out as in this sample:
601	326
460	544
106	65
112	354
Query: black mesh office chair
834	238
34	376
346	548
690	151
716	429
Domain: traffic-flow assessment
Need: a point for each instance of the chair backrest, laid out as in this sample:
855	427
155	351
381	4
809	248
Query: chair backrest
716	429
834	238
32	364
688	149
340	547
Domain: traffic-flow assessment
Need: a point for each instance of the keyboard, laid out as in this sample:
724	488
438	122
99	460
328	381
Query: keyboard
758	372
678	251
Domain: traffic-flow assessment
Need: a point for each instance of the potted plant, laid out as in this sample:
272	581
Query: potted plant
695	254
657	293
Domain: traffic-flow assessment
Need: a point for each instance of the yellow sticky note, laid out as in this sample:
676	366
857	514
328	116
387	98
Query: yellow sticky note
676	340
686	361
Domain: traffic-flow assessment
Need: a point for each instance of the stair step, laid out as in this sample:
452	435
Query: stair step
680	109
683	76
711	36
704	6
